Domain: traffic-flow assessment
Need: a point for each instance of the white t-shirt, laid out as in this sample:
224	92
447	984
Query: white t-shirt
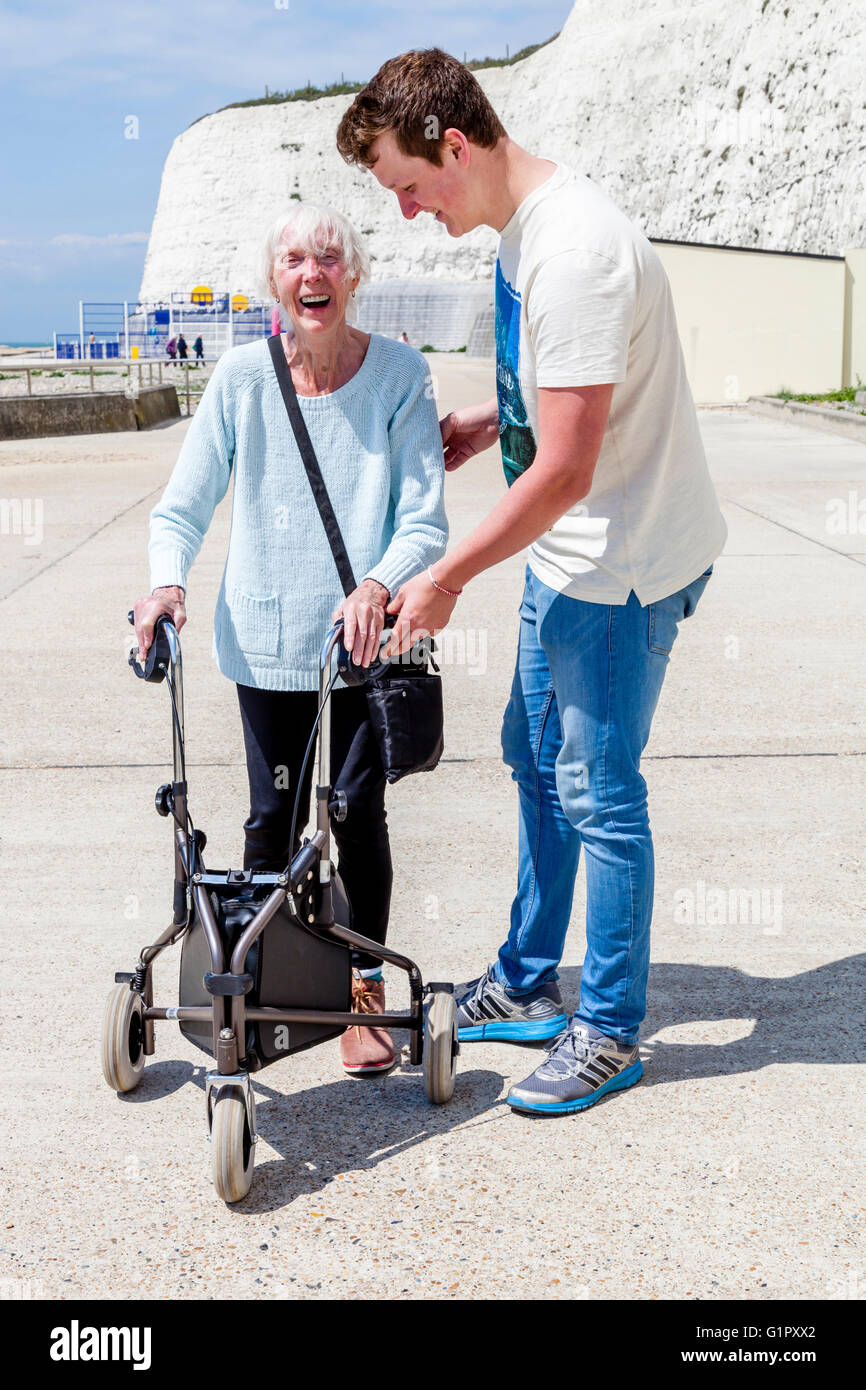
582	299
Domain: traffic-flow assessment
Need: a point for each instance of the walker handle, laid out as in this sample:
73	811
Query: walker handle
351	672
159	655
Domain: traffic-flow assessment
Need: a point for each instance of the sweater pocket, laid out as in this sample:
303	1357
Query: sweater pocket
255	623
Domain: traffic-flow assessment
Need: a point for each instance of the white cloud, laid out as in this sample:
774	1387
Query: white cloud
70	253
81	241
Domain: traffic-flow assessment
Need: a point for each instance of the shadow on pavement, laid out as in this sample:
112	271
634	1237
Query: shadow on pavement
349	1125
339	1126
162	1077
811	1017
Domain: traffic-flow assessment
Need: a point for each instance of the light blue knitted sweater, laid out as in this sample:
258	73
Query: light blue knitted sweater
379	448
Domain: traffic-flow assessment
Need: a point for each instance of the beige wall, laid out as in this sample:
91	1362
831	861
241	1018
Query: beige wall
752	322
854	347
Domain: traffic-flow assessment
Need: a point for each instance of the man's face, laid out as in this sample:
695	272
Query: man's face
420	186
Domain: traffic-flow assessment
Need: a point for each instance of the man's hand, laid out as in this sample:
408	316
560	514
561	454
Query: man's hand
423	610
363	614
470	431
168	600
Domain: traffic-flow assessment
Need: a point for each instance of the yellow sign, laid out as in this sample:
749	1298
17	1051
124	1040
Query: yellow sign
202	294
134	353
239	303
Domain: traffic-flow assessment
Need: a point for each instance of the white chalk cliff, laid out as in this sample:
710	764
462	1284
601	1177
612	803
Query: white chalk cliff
731	122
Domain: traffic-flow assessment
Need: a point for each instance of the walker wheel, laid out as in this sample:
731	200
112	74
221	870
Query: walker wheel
440	1048
232	1150
123	1039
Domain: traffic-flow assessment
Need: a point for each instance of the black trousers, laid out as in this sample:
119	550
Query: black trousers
277	725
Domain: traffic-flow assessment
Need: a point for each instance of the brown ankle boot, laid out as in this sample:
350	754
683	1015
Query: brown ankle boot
367	1051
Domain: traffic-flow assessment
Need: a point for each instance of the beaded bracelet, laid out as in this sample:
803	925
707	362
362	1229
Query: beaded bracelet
452	593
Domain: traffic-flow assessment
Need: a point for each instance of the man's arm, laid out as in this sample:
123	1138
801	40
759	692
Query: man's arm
571	425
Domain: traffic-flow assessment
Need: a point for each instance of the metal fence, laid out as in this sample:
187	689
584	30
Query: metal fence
127	330
188	380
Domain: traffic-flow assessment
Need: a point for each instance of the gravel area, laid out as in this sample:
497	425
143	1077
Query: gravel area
50	381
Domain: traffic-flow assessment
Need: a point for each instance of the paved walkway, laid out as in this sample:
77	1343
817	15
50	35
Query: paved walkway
733	1170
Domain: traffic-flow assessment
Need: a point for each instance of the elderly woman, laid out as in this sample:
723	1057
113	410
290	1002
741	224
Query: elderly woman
372	420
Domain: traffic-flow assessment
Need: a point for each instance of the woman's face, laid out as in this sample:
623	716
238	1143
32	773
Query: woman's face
313	289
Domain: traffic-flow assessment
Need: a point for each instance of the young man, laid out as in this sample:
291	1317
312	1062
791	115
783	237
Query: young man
609	487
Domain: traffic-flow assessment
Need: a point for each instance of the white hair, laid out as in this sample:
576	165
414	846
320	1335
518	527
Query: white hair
314	227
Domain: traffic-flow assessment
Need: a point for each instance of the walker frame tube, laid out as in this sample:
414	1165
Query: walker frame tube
229	1013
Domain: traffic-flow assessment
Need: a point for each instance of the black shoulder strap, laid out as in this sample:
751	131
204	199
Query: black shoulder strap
311	464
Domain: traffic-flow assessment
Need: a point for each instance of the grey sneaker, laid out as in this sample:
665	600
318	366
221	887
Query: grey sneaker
484	1010
580	1068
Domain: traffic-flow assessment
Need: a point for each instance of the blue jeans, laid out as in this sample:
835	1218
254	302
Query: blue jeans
586	685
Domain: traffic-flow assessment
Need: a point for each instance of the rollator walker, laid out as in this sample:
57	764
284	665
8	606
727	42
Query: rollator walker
266	958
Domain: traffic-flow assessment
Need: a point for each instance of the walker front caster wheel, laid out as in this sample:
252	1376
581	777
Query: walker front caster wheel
123	1039
232	1148
440	1048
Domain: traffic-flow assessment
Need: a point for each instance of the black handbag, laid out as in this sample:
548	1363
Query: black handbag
404	696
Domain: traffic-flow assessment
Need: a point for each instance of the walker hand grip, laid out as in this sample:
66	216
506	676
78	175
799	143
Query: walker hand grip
354	674
158	658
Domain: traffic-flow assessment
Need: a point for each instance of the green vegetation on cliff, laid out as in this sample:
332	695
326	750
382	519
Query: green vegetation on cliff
341	88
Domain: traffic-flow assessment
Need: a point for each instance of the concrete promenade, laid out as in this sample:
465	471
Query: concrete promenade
733	1171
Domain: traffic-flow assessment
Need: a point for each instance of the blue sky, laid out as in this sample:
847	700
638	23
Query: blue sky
77	198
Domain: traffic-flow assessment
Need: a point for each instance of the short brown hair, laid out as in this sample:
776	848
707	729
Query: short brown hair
419	95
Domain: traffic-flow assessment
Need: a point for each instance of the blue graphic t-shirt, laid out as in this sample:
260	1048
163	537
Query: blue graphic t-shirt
516	439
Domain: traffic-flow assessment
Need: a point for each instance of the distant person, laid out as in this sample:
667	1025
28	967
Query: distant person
609	488
198	349
171	349
404	337
93	345
182	349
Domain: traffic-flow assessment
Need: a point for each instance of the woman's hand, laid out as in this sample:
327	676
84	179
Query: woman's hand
168	600
470	431
363	614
